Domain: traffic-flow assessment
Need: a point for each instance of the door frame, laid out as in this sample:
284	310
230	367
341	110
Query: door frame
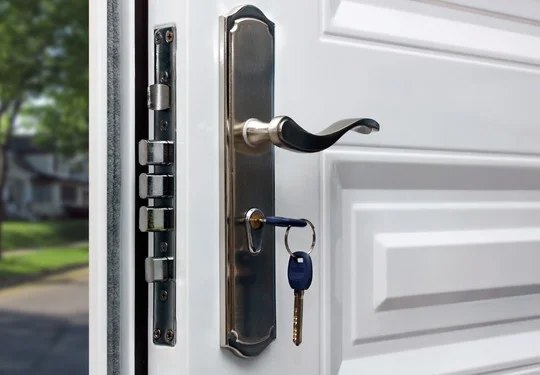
117	319
98	186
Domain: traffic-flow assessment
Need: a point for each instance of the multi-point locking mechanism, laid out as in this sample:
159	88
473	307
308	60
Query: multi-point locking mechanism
158	186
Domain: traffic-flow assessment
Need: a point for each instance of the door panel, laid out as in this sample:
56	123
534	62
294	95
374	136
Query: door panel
434	97
427	249
428	231
491	29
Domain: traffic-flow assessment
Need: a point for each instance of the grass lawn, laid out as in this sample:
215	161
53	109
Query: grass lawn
27	235
42	261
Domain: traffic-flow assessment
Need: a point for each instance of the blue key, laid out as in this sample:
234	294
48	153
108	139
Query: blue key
300	274
279	221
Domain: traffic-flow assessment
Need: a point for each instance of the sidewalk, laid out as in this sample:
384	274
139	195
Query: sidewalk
44	326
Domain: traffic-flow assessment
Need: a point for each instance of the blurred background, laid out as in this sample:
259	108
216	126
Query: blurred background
44	187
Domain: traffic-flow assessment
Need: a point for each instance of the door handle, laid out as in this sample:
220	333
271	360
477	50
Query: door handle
248	130
284	132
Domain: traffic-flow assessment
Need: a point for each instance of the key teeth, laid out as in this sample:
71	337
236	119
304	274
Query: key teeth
296	339
295	328
297	317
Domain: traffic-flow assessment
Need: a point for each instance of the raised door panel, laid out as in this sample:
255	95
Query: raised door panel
489	29
465	81
430	249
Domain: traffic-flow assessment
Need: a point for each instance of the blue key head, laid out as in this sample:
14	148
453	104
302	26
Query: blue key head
300	271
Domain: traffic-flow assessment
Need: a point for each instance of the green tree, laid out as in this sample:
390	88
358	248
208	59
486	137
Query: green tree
44	74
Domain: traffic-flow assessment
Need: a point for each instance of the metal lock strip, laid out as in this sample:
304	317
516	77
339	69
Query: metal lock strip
159	187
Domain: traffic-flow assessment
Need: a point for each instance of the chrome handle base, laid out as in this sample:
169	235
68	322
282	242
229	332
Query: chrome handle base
284	132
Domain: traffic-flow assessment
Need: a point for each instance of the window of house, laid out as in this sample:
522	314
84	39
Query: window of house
41	193
85	196
69	194
77	168
15	191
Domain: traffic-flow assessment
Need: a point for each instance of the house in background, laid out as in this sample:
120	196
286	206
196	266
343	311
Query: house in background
41	184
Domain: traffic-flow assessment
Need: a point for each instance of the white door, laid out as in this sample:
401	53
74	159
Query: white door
429	231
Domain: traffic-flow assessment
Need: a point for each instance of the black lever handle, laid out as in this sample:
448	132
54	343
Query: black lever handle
284	132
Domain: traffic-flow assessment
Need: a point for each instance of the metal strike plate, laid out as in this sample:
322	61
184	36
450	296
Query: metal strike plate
248	291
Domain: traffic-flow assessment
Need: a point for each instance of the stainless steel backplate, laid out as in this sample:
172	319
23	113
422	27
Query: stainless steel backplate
248	291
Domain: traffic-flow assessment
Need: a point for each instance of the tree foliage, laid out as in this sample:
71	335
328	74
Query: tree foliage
44	74
44	69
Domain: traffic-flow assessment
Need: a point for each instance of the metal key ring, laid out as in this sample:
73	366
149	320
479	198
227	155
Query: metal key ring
312	241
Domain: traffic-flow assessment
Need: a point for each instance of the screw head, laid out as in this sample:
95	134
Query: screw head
164	245
163	295
170	335
169	36
157	334
158	37
164	77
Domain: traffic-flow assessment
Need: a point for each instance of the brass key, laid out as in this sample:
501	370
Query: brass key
298	316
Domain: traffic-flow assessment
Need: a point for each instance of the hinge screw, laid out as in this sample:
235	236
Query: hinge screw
158	38
169	36
163	295
170	335
157	334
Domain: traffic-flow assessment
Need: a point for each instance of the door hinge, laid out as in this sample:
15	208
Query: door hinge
158	185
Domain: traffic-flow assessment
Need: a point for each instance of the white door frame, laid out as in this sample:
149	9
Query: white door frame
98	185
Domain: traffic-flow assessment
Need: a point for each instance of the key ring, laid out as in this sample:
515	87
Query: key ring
314	238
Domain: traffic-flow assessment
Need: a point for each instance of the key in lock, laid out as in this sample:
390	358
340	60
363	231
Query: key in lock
255	221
